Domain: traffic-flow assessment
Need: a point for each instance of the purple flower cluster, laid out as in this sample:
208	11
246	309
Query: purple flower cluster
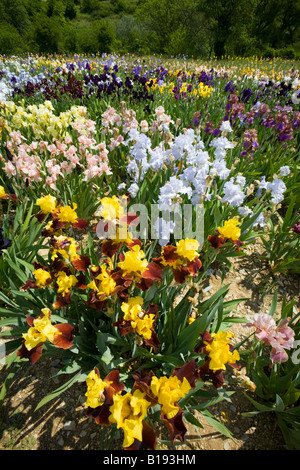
68	83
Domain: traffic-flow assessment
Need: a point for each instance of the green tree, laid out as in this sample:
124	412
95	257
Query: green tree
233	24
105	36
131	35
10	40
48	34
88	6
71	39
166	21
99	36
277	24
17	15
71	11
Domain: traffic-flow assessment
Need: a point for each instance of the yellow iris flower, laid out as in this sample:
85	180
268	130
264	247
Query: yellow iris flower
168	391
128	412
65	282
134	262
41	276
187	249
140	321
106	286
47	204
69	253
132	308
2	192
68	214
95	390
41	331
219	351
111	208
230	229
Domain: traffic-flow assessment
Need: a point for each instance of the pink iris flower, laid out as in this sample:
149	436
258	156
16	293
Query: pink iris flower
280	337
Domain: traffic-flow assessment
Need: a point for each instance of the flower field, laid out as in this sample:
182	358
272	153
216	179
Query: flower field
124	183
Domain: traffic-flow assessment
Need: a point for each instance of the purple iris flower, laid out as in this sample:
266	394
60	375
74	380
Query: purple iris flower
296	228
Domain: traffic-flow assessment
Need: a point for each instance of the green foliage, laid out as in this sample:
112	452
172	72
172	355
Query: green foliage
10	40
48	34
131	35
282	245
195	28
88	6
99	37
71	11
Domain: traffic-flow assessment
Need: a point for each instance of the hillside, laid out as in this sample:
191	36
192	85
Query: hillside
263	28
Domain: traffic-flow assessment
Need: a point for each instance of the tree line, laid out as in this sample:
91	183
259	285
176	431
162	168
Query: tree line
197	28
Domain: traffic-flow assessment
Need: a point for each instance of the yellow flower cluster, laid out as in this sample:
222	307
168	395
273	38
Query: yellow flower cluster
42	119
129	410
204	91
201	90
66	214
219	351
140	321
